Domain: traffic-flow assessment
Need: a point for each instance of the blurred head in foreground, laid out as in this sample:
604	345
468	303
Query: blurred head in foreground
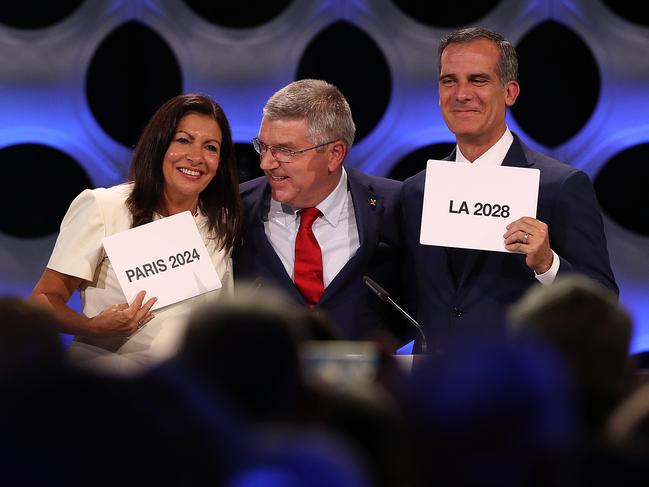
489	413
247	348
28	337
584	323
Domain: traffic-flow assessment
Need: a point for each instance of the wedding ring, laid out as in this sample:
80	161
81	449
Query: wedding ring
525	237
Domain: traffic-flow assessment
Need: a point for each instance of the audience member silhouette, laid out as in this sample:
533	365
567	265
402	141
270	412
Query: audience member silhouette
248	349
79	430
61	426
28	338
311	458
489	414
628	425
583	322
626	436
237	408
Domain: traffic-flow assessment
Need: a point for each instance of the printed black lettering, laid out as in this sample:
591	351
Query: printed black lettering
491	209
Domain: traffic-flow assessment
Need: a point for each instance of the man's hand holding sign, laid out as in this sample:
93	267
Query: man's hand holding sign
506	197
531	237
469	207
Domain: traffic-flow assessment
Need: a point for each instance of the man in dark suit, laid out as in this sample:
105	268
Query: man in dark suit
462	290
305	135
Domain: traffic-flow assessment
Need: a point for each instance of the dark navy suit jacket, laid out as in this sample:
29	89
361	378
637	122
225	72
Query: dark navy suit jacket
353	309
491	281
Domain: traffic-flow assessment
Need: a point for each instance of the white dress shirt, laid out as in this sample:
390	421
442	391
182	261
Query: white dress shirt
336	231
494	157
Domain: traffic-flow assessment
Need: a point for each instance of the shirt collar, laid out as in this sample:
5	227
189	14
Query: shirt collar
494	156
331	207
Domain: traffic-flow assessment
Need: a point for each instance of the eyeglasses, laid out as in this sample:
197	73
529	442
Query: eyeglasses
282	154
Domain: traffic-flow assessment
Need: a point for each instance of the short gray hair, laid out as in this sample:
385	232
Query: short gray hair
507	64
321	104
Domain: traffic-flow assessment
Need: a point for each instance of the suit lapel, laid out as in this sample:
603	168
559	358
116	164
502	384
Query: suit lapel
257	233
515	156
367	210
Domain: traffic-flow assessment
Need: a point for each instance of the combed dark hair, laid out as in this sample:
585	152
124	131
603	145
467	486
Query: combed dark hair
220	200
508	62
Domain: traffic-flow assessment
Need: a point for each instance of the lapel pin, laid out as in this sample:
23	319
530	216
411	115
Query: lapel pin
372	201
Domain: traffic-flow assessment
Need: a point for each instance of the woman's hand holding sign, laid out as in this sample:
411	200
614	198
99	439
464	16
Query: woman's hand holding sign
54	290
124	319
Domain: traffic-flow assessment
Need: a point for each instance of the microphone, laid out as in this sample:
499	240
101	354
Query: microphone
385	296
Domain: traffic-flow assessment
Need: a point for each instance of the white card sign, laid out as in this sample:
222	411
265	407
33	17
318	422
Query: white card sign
469	206
166	258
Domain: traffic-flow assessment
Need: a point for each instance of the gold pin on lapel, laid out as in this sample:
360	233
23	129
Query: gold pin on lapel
372	201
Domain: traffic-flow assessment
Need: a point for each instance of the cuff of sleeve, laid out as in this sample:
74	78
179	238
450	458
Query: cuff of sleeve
549	276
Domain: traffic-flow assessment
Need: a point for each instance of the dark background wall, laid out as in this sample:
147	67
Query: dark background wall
80	78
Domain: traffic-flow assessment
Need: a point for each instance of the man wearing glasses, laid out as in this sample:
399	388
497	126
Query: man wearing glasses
313	228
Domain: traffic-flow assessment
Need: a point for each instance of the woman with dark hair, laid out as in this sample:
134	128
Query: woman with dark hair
184	161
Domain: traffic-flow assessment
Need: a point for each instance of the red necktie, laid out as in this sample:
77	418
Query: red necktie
308	259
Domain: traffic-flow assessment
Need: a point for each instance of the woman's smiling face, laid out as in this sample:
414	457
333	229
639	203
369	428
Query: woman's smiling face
193	156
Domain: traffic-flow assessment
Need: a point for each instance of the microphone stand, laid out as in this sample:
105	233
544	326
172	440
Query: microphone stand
385	296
